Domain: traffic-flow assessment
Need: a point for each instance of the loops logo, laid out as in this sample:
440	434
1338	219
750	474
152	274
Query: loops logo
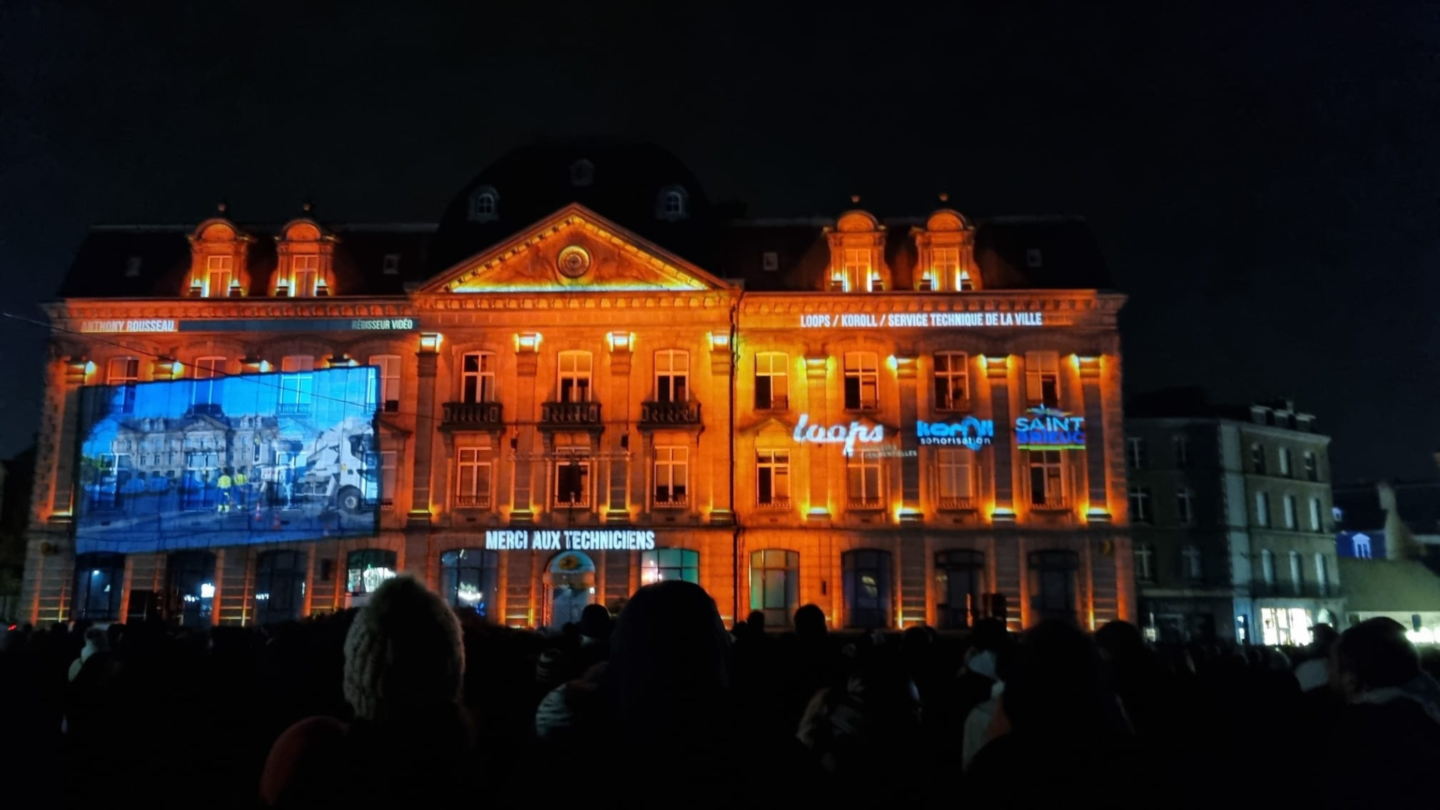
1049	429
969	432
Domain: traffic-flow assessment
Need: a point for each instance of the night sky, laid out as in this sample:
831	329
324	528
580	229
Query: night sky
1264	181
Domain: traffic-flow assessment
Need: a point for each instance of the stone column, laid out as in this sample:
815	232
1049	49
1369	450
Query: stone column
997	373
425	426
1094	404
526	363
617	443
717	418
905	372
816	376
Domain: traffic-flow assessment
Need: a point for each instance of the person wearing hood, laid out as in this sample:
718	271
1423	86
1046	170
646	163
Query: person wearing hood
97	640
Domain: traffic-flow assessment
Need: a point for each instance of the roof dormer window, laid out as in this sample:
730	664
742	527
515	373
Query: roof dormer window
219	273
391	265
305	275
484	205
673	204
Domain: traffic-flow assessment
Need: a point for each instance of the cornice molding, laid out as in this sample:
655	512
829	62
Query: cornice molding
190	309
1019	301
561	299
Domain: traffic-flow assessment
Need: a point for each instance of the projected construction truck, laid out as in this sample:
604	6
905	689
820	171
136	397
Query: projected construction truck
341	470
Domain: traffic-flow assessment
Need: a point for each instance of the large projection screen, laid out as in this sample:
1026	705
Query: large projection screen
233	460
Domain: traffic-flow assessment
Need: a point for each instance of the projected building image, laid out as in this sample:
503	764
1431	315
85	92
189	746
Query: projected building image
221	461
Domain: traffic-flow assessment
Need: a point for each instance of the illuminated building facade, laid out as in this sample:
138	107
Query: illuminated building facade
589	378
1231	514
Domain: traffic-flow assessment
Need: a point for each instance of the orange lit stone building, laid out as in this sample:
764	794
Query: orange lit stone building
591	377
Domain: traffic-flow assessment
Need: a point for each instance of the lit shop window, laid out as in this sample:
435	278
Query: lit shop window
1285	626
772	476
470	580
862	381
952	381
775	585
366	569
867	582
772	381
664	564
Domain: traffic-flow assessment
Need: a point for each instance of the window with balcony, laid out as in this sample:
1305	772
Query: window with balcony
124	373
1140	505
1185	506
775	585
1312	468
572	478
1137	457
1192	564
952	381
959	588
863	479
575	368
1047	479
470	580
866	584
388	366
209	374
672	473
297	381
1053	585
219	273
772	477
1042	379
305	275
862	381
955	468
1144	562
672	374
477	377
669	564
772	381
99	580
474	473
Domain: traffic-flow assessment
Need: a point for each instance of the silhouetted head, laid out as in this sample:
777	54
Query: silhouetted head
404	653
1324	637
1054	684
989	634
1375	654
755	621
669	660
595	622
1121	641
810	621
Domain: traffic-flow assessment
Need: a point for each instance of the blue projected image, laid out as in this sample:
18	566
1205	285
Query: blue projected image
259	458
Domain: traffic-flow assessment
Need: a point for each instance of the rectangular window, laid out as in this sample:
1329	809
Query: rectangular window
772	476
1290	519
1042	379
1144	562
1185	506
957	481
389	477
1182	452
672	474
1194	563
472	478
1136	456
209	373
862	381
952	381
218	273
857	267
1257	458
572	479
297	382
1267	567
389	366
575	376
672	374
1314	514
1140	505
1322	576
1047	479
477	377
1312	468
1297	573
772	381
1262	509
862	477
306	273
1285	461
124	371
947	265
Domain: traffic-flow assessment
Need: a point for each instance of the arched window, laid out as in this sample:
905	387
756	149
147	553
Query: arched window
1052	585
470	580
673	204
664	564
191	587
960	587
775	585
279	586
367	568
99	579
484	205
867	588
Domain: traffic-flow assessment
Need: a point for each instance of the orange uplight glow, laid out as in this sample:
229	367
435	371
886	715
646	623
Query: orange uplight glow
430	342
621	341
527	341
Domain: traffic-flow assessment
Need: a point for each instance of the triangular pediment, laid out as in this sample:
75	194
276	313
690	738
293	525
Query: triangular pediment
573	250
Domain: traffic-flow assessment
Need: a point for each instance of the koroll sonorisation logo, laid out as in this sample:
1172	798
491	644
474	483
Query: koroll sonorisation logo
969	432
1049	429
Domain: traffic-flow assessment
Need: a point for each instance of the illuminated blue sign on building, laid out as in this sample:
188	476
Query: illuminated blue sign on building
969	432
1049	429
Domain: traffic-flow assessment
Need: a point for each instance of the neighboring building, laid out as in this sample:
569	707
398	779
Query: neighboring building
1232	520
591	378
16	475
1388	540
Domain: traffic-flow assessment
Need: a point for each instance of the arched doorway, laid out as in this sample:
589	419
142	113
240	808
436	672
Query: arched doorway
569	588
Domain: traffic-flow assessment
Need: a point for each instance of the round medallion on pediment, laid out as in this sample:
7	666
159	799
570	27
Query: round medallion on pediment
573	262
